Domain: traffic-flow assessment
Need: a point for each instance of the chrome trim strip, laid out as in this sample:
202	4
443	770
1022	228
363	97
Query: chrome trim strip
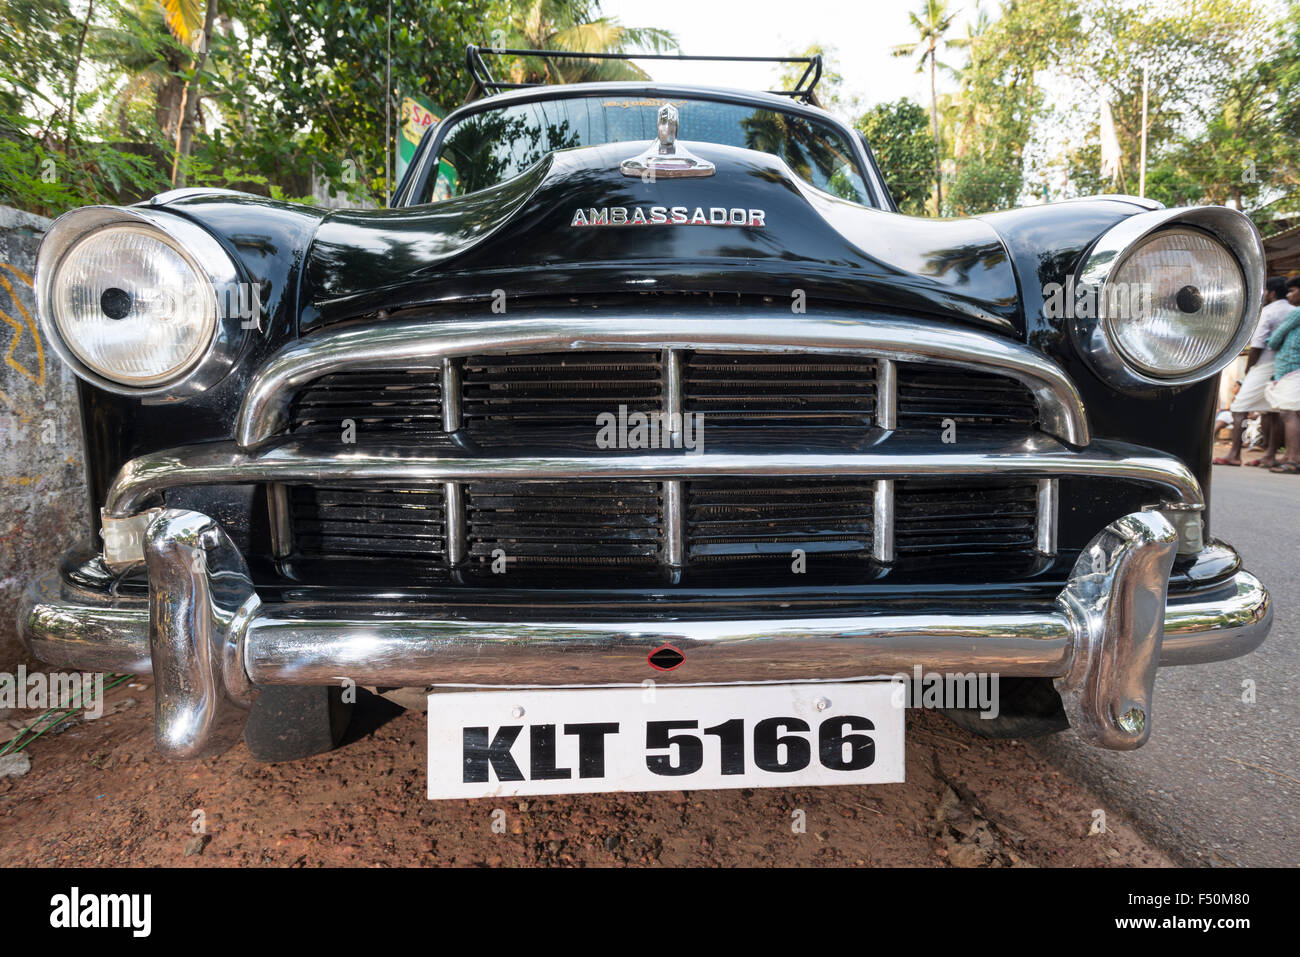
674	395
318	462
673	508
457	529
674	517
423	344
882	522
1048	507
191	192
452	414
886	394
281	527
1115	197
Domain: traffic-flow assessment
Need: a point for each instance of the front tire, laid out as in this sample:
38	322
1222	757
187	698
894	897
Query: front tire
289	723
1027	708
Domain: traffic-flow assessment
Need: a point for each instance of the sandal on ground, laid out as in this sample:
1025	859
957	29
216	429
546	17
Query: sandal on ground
1287	468
1262	463
1222	461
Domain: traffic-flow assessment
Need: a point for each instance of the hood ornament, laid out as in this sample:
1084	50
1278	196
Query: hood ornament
666	157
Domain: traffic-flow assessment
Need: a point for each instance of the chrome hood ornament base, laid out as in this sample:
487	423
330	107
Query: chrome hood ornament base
665	156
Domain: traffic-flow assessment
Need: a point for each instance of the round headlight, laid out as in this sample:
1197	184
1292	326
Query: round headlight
1175	303
133	306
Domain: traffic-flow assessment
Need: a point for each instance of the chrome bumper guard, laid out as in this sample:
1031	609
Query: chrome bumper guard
209	640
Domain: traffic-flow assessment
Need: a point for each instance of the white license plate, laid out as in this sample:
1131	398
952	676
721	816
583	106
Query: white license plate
573	741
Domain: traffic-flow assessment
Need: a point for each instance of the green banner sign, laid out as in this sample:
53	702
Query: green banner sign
417	115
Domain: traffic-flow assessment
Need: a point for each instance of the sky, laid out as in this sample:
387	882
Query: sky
861	33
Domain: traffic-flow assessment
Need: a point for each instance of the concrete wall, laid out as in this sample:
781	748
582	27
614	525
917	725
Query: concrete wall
43	507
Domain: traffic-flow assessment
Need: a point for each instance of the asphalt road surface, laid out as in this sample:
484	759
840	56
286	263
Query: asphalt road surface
1218	782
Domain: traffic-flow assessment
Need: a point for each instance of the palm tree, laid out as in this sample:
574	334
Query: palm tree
145	49
577	26
931	24
967	112
975	31
192	22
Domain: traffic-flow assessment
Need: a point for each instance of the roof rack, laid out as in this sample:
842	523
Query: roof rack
478	68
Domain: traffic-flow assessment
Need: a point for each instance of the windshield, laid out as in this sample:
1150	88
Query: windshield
486	148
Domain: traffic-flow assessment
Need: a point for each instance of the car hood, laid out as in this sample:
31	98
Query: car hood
551	232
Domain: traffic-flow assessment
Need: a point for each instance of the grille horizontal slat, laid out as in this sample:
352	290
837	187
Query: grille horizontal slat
928	394
772	390
540	525
393	401
558	389
753	519
954	517
349	521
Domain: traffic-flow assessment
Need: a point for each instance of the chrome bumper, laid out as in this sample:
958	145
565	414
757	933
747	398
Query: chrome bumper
209	640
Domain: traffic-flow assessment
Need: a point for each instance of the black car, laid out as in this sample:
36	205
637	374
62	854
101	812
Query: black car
619	443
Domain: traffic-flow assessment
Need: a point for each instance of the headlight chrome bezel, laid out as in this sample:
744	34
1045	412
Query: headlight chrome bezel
1091	334
200	250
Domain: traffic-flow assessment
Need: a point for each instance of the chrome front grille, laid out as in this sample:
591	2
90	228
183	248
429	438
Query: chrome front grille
964	518
813	425
612	533
624	530
615	532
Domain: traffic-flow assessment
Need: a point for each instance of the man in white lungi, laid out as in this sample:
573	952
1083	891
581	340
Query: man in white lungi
1259	373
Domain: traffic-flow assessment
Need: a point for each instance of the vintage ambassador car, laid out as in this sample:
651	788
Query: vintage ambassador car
616	443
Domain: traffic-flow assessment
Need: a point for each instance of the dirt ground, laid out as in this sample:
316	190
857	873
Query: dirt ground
97	794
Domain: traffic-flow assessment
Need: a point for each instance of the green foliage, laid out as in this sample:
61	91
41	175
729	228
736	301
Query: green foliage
1224	83
1000	98
931	25
575	25
294	92
830	88
899	134
36	51
300	85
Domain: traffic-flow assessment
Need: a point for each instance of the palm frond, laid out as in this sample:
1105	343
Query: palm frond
185	18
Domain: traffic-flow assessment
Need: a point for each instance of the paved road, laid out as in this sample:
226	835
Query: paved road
1219	781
